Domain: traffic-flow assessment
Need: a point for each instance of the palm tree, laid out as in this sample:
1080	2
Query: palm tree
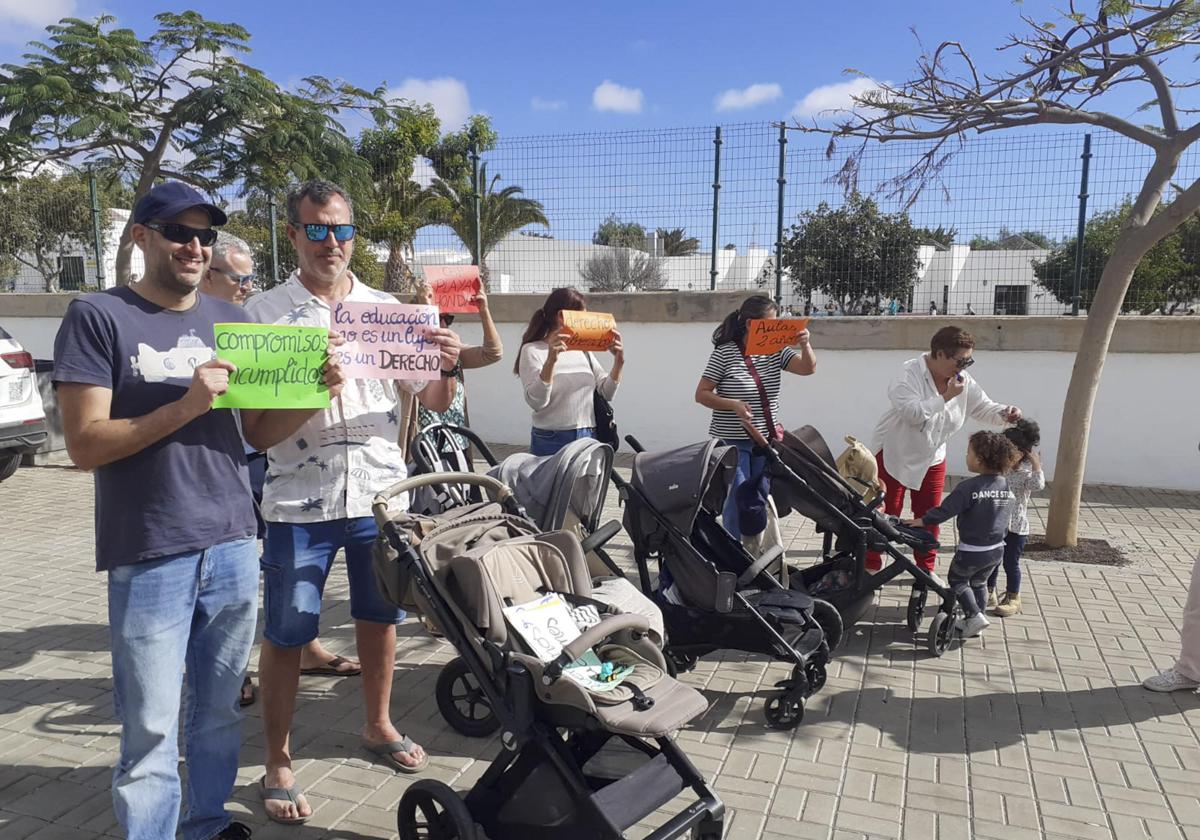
402	210
501	212
675	243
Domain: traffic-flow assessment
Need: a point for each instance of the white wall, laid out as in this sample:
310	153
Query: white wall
1144	431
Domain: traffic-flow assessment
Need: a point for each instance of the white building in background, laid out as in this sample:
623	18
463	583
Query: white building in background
78	263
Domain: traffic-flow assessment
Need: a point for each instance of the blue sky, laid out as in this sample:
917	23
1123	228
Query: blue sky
566	67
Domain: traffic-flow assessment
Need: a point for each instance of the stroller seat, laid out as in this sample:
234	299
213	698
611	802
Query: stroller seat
486	581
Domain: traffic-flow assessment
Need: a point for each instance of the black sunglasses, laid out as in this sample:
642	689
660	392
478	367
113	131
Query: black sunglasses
319	233
446	320
964	363
182	234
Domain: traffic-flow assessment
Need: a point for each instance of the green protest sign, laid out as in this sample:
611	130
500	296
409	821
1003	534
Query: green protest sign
277	366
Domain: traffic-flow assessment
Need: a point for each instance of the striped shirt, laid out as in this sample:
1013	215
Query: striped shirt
727	369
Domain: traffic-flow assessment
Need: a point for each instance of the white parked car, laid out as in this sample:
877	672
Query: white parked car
22	419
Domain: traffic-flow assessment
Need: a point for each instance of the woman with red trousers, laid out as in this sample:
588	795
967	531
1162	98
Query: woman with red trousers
930	400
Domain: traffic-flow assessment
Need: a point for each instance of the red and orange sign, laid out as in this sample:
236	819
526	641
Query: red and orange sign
454	287
588	330
767	336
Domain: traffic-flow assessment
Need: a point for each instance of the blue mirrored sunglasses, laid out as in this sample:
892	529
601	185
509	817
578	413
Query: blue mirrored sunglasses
319	233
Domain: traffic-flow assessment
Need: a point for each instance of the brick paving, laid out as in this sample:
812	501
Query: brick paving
1039	730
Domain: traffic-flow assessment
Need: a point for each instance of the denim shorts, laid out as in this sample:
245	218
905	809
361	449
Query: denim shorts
544	442
296	561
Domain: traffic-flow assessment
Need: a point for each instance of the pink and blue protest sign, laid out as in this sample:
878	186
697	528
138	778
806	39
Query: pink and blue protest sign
387	340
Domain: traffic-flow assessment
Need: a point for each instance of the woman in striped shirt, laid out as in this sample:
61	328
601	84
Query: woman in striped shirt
728	386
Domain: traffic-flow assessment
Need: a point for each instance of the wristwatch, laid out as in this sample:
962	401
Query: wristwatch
453	372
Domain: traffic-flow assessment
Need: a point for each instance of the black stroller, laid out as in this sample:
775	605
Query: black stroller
805	479
578	761
719	596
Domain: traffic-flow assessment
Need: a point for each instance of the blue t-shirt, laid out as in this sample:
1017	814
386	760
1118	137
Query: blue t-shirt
188	491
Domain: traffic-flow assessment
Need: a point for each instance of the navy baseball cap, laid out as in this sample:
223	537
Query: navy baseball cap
172	198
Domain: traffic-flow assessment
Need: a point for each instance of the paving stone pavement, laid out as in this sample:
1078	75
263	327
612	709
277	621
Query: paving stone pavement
1038	730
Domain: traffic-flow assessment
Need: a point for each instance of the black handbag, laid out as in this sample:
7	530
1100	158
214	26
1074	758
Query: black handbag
606	425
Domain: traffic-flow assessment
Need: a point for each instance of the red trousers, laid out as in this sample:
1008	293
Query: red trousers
929	496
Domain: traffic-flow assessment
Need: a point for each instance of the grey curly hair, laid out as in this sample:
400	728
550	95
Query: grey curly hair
227	242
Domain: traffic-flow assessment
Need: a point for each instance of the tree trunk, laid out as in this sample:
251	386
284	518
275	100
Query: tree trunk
151	164
397	276
1062	526
485	277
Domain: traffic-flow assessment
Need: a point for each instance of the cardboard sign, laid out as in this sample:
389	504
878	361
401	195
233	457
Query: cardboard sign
767	336
454	287
277	366
387	340
588	330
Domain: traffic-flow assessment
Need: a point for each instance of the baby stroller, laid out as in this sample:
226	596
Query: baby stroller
804	479
470	568
720	596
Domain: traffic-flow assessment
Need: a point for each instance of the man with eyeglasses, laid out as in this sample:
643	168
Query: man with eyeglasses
930	400
136	376
321	479
231	274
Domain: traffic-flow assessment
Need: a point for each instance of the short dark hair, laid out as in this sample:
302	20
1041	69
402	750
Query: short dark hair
995	451
1024	434
949	340
319	192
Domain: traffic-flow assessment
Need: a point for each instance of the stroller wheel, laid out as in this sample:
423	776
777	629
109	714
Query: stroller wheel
462	702
827	615
784	710
431	810
942	632
916	608
815	671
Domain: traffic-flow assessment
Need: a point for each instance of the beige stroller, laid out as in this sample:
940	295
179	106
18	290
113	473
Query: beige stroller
576	687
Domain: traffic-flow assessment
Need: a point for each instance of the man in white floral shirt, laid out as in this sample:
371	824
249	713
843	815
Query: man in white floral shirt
321	478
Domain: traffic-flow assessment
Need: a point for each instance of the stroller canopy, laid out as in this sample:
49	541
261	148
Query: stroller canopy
573	481
678	482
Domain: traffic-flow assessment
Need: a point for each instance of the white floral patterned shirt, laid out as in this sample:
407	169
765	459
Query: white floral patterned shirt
338	460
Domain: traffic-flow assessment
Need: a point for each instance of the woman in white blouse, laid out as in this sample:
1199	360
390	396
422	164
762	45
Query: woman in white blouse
558	383
930	401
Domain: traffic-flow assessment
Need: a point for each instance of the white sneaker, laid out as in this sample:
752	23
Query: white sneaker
975	625
1170	680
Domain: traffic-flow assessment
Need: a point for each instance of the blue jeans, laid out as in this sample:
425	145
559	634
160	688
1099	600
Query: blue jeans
548	441
296	560
196	609
748	466
1014	547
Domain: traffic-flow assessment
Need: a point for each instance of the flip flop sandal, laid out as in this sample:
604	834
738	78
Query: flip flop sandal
384	753
248	693
281	795
330	669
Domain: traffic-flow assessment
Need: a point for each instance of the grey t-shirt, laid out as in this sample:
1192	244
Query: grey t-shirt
983	505
188	491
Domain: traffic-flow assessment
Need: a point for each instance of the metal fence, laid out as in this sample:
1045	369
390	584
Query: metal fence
740	207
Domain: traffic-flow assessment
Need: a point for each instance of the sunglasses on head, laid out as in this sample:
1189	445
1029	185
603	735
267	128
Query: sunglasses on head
182	234
240	279
319	233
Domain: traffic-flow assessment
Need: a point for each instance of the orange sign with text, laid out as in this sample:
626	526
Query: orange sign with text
454	287
767	336
588	330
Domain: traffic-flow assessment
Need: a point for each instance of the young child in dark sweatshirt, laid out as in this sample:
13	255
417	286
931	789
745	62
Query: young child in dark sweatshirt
983	505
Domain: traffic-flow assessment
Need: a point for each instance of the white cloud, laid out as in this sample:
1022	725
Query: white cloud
610	96
735	99
35	13
423	172
833	97
539	104
447	95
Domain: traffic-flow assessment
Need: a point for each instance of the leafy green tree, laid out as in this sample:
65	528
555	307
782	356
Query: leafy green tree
676	243
623	270
179	104
1006	240
618	234
852	252
1165	275
940	236
501	212
43	218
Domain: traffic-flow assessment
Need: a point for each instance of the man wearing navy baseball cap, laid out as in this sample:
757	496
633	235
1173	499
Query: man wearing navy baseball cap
136	377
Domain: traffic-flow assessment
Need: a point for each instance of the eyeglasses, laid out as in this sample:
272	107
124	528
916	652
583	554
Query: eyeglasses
182	234
319	233
241	279
964	362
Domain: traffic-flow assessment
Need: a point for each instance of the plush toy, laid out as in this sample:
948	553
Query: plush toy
857	465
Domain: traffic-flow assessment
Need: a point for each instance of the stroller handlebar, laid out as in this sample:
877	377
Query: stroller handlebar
497	489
